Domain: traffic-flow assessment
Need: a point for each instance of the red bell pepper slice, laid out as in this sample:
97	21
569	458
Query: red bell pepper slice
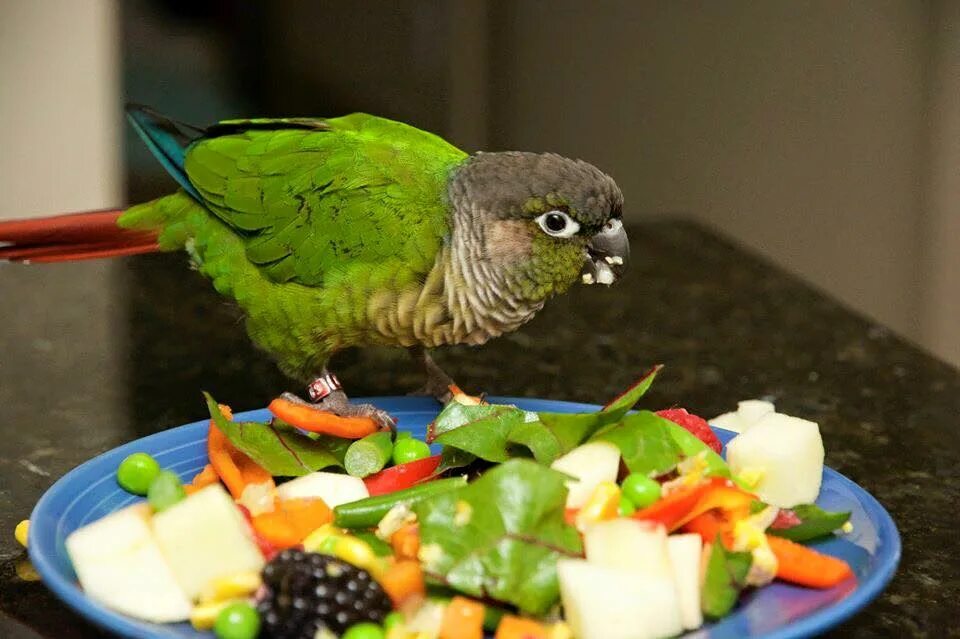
401	476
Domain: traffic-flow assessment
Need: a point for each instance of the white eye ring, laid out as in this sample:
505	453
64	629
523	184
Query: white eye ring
558	224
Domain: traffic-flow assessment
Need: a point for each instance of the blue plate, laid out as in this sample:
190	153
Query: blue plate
778	611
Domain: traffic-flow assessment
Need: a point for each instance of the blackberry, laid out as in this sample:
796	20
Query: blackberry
305	592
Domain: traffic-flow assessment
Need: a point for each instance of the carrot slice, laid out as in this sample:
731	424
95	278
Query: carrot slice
512	627
403	580
234	469
463	619
319	421
406	542
805	566
205	477
291	521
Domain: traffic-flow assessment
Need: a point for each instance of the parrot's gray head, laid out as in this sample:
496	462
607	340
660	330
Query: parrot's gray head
539	222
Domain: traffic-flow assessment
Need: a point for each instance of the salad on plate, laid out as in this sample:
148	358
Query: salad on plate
613	524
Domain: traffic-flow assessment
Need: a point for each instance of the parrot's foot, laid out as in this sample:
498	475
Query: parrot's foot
439	385
337	403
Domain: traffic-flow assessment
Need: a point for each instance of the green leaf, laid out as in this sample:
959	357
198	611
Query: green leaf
725	577
814	522
280	450
455	415
690	445
644	441
621	404
501	536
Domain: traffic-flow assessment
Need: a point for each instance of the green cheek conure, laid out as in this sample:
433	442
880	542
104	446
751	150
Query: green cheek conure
355	231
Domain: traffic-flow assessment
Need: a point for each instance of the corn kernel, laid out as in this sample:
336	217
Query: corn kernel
314	539
847	527
204	615
21	532
26	571
355	551
751	476
240	584
603	503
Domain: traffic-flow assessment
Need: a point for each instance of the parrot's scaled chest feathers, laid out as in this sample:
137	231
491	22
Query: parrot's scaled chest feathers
360	230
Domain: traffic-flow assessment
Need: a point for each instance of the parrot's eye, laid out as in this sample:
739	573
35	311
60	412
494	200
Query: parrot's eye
558	224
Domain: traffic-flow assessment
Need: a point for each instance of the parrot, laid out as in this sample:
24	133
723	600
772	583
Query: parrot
355	231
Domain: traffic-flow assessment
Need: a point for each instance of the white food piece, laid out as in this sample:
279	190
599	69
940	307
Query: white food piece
728	421
752	411
785	454
631	545
591	464
427	619
600	602
684	551
334	489
204	537
119	564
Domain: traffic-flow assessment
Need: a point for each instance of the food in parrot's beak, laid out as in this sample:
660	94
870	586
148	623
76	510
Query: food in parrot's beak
607	254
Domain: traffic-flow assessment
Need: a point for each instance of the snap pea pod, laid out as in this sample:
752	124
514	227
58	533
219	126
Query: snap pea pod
367	513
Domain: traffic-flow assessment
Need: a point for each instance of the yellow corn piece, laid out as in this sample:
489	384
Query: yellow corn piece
26	571
317	537
602	504
240	584
204	615
560	630
21	531
751	476
355	551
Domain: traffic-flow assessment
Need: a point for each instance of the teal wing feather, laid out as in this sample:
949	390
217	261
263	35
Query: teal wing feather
310	198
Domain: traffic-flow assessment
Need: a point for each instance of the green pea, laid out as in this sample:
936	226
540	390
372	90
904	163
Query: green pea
136	472
409	449
165	490
237	621
365	630
626	507
393	620
640	490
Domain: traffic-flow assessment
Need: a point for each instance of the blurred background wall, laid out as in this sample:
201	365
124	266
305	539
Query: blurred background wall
822	134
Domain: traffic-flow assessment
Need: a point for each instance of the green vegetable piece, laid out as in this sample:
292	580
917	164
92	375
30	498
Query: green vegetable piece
165	490
394	620
368	455
626	507
409	449
364	630
501	536
367	513
237	621
621	405
282	451
690	446
644	442
136	472
403	434
379	547
640	490
814	522
724	579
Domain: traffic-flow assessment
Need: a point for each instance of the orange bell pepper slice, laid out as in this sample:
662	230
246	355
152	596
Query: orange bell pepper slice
319	421
291	521
205	477
234	468
805	566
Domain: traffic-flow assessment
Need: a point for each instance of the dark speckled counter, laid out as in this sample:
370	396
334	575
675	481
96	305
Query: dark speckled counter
96	354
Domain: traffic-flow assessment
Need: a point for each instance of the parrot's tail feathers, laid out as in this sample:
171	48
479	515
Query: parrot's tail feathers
76	236
167	139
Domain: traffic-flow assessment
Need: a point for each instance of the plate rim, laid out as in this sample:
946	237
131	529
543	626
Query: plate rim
42	543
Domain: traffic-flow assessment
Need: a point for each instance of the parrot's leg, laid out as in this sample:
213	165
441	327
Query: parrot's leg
327	395
438	382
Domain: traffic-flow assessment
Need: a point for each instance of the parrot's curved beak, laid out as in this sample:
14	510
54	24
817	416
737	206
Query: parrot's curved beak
607	254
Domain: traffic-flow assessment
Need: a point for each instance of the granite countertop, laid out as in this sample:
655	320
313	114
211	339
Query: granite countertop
96	354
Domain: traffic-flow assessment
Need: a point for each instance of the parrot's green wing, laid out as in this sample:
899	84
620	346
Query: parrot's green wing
310	198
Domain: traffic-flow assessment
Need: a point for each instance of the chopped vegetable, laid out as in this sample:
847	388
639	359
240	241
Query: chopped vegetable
165	490
462	619
136	472
603	504
205	477
367	513
724	577
318	421
232	586
21	532
403	580
237	621
369	455
291	521
673	508
364	630
640	490
406	542
235	469
409	450
512	627
805	566
811	522
402	476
